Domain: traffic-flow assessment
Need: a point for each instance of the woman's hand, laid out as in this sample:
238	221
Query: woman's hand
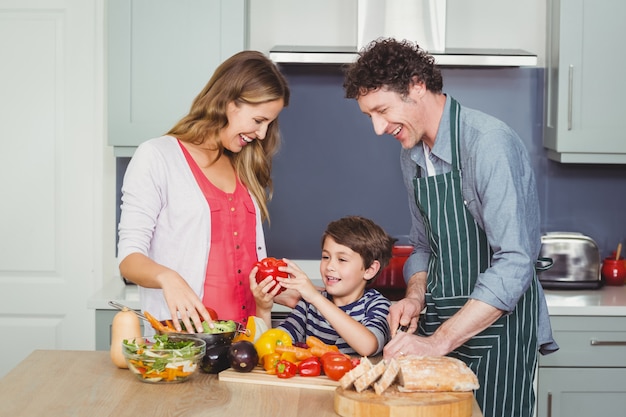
183	302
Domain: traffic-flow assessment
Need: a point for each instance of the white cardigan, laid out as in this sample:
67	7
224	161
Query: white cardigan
166	217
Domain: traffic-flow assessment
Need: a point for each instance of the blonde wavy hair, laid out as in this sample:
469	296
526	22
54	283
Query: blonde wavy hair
246	77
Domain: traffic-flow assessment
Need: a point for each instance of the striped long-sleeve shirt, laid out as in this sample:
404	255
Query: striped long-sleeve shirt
370	310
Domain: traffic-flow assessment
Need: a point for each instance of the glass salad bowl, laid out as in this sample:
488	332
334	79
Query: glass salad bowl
164	359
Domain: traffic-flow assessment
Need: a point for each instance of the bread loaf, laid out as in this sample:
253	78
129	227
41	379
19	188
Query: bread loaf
388	377
348	379
364	381
434	373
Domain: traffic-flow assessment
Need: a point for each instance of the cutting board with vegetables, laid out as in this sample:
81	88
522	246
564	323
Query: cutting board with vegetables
349	403
260	376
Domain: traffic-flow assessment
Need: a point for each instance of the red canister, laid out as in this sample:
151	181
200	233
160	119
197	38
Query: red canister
614	271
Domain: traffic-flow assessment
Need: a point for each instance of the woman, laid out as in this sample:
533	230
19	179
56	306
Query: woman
193	201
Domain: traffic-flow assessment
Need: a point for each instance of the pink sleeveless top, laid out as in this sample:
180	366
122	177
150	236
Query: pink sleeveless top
233	248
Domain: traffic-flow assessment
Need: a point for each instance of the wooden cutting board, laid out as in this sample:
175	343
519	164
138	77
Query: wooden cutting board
259	376
349	403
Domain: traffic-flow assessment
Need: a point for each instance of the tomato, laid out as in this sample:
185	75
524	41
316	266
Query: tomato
335	365
355	362
269	267
212	313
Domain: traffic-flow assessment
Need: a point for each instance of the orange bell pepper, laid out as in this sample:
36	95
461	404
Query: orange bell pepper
270	361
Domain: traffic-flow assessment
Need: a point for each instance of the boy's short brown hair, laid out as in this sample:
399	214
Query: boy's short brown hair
364	237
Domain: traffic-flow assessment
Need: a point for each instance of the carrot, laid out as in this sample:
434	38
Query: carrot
299	352
313	341
319	351
157	325
319	348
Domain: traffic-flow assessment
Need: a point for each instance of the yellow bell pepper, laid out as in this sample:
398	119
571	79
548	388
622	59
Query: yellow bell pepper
268	341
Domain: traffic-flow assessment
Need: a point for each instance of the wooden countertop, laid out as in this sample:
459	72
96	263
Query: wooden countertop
85	383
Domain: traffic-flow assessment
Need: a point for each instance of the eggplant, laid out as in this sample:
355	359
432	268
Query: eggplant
215	359
243	356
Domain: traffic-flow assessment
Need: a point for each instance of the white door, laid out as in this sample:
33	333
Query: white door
51	174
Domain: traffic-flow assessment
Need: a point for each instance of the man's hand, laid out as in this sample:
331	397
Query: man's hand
410	344
406	312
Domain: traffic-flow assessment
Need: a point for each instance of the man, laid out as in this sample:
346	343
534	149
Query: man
475	228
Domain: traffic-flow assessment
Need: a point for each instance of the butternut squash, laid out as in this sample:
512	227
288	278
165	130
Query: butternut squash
125	325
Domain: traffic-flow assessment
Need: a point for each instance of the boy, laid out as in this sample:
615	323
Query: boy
345	313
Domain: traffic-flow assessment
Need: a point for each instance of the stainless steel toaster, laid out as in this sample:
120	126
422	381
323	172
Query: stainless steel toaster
576	261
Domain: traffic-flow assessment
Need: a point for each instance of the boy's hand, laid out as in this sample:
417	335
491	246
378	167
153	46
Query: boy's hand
298	281
264	292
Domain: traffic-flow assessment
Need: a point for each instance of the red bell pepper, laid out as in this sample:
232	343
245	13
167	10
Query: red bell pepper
310	367
286	369
269	267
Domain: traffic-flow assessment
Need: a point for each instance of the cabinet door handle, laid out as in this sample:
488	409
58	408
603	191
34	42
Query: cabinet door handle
549	404
595	342
570	88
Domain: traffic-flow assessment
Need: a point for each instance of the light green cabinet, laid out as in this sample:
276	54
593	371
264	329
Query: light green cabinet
585	83
160	53
587	376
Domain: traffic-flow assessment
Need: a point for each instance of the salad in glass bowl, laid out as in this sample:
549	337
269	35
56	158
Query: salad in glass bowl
163	358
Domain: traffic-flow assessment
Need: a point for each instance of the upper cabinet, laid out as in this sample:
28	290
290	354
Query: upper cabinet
161	53
585	82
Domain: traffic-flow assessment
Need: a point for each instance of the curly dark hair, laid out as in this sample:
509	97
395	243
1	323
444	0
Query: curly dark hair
393	64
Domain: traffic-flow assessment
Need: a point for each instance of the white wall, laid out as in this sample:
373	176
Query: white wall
505	24
288	22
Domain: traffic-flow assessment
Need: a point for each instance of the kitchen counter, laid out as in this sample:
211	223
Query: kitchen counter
115	290
79	383
606	301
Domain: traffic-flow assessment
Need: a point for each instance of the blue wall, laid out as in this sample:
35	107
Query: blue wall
332	164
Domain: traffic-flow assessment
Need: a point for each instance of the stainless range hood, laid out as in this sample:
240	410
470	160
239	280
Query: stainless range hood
420	20
449	57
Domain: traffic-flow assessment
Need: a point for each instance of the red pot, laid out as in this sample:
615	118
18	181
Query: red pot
390	282
614	271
